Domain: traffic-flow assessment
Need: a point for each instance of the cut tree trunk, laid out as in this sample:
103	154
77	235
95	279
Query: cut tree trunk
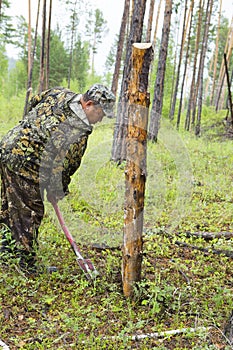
135	172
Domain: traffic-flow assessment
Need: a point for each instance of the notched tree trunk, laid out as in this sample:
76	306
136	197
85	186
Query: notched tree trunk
135	172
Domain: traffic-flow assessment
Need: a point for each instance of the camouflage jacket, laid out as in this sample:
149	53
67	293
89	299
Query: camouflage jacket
48	144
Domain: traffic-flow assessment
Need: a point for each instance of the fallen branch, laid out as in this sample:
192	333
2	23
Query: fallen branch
228	253
4	346
164	334
207	236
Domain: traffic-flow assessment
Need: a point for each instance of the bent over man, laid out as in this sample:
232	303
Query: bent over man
41	154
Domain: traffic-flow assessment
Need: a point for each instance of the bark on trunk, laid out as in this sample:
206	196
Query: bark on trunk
159	83
136	28
42	55
120	47
135	173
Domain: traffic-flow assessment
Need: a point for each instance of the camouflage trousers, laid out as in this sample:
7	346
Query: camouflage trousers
22	208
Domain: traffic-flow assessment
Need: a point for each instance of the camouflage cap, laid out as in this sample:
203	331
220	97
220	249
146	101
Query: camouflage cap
104	97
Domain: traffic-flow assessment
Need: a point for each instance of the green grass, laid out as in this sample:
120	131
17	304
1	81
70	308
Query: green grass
189	188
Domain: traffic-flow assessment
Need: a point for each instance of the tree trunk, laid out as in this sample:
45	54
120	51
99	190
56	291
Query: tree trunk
172	111
42	54
150	21
120	47
229	89
191	110
73	31
228	49
156	24
202	64
29	85
136	29
216	54
185	65
135	172
159	83
29	38
48	46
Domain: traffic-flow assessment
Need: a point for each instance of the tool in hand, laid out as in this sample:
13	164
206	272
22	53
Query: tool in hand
85	264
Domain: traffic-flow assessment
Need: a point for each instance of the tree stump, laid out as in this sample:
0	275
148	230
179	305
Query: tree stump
135	171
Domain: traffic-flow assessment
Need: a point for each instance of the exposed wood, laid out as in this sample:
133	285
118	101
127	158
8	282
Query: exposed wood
135	172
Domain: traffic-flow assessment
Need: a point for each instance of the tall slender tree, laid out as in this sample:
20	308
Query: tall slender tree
216	54
150	21
172	111
185	64
157	104
209	8
191	109
29	83
120	47
42	52
48	46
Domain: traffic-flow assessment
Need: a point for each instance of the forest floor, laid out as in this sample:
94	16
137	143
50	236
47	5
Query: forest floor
185	289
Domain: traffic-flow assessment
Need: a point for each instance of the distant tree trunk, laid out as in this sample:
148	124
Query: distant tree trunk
150	21
185	64
0	10
156	24
42	54
29	38
228	49
135	173
216	55
48	46
172	111
29	85
202	64
229	89
157	104
135	35
191	110
73	31
120	47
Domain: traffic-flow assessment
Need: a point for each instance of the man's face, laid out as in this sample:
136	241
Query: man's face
93	112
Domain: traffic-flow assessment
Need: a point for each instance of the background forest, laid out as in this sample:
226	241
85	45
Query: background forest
184	299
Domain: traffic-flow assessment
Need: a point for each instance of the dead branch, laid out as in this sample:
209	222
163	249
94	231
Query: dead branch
207	236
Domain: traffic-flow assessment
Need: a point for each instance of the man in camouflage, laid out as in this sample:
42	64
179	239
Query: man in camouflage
41	154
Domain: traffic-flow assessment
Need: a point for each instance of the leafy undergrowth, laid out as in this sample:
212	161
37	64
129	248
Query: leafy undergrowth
189	189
